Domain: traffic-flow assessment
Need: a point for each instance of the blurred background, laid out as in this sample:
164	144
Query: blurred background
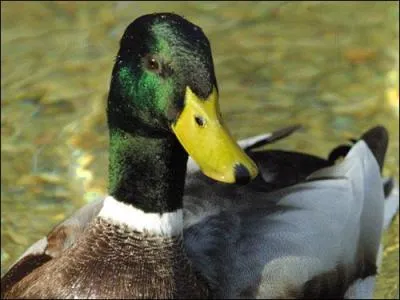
332	67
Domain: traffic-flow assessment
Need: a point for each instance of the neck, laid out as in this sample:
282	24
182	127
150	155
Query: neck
147	172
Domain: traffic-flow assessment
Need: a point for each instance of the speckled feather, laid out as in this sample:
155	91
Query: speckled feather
137	266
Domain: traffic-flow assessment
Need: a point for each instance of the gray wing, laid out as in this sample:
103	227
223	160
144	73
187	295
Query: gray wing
363	288
306	239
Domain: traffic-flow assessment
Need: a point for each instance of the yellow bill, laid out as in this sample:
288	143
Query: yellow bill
200	130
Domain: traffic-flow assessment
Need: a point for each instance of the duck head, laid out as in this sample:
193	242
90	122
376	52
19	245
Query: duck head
164	83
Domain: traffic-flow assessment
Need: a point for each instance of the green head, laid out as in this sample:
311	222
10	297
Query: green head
159	56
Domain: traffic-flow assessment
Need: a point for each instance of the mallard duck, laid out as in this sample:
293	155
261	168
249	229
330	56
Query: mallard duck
261	223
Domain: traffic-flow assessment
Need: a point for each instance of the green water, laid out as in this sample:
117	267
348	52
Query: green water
332	67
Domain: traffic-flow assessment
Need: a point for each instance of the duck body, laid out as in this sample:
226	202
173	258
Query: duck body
316	234
310	236
294	225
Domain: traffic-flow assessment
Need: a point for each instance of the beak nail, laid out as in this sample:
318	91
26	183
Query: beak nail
242	175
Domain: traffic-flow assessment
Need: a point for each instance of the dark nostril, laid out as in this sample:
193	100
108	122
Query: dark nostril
200	121
242	175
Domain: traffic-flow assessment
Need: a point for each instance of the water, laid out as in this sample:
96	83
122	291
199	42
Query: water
332	67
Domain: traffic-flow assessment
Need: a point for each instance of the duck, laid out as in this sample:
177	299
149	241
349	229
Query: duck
193	213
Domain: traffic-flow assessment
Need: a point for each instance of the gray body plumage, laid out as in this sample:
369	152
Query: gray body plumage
332	222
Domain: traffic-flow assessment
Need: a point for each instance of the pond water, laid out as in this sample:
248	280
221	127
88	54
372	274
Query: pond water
332	67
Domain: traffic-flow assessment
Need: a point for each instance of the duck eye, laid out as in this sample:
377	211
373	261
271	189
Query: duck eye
152	64
200	121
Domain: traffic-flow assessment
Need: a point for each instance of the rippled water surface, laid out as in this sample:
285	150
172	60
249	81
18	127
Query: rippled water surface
332	67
